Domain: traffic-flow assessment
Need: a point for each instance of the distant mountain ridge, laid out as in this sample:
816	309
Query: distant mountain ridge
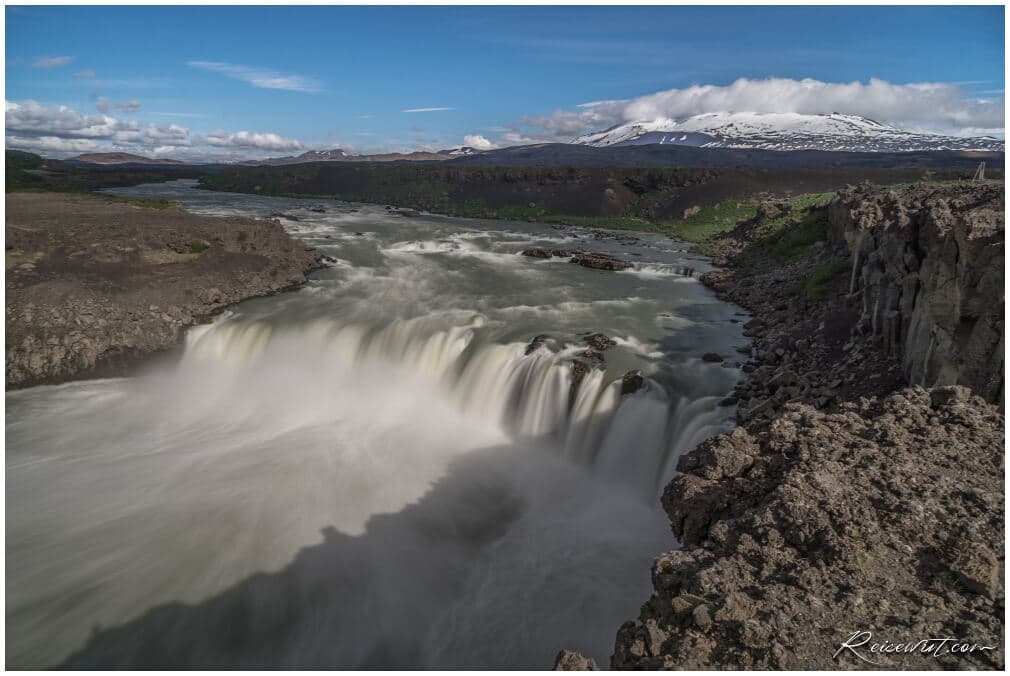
782	131
339	155
119	158
332	155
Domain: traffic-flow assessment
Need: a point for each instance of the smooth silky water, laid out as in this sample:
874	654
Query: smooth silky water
370	471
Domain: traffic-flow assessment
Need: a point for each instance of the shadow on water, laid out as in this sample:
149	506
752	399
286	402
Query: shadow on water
402	594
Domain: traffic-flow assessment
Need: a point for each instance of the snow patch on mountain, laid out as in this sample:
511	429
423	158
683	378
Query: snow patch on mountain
782	131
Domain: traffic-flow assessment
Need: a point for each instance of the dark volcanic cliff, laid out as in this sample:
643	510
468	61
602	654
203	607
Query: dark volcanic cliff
847	501
928	265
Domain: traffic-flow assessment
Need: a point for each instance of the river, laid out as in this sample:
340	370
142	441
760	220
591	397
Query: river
371	470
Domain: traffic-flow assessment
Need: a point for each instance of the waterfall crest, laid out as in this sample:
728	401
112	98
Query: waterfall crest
534	394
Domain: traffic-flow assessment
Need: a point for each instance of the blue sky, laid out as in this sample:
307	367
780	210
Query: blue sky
256	80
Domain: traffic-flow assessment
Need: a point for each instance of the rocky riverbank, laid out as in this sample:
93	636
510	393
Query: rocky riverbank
93	283
863	489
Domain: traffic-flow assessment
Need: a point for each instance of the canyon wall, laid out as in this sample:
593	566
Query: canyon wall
928	266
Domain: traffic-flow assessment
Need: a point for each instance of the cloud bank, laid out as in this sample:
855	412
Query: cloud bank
260	77
250	141
60	130
927	106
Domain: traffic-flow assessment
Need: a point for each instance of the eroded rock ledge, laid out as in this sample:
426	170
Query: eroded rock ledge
884	516
92	284
847	500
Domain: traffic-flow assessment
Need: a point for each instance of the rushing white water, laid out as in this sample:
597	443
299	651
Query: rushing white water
375	470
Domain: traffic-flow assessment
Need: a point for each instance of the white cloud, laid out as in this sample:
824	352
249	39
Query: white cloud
247	140
85	74
30	118
515	138
151	134
260	77
51	61
478	142
60	131
427	110
104	105
940	107
51	144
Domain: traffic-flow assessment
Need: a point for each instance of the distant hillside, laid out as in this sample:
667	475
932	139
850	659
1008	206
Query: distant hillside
119	158
28	171
19	159
555	193
339	155
672	155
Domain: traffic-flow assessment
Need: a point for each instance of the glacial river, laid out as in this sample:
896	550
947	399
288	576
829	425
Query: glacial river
371	470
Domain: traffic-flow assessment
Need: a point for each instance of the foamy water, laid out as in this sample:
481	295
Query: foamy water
371	471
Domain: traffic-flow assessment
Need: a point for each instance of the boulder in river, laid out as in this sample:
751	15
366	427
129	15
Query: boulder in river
599	261
599	341
587	259
568	660
579	371
536	343
632	382
542	252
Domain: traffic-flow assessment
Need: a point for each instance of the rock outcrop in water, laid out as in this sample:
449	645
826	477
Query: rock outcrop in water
846	501
599	341
91	284
587	259
573	661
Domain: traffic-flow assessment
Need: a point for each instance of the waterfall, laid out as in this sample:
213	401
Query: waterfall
379	470
633	438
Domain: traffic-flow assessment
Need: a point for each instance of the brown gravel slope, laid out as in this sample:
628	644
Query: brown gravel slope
847	501
92	283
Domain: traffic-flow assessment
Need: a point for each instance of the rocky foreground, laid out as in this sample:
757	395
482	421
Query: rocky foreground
93	283
858	508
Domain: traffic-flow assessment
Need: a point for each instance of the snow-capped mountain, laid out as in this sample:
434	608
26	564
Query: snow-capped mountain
334	155
462	151
782	131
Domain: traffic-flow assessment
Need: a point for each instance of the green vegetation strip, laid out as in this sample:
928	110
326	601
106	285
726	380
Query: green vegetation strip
145	202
